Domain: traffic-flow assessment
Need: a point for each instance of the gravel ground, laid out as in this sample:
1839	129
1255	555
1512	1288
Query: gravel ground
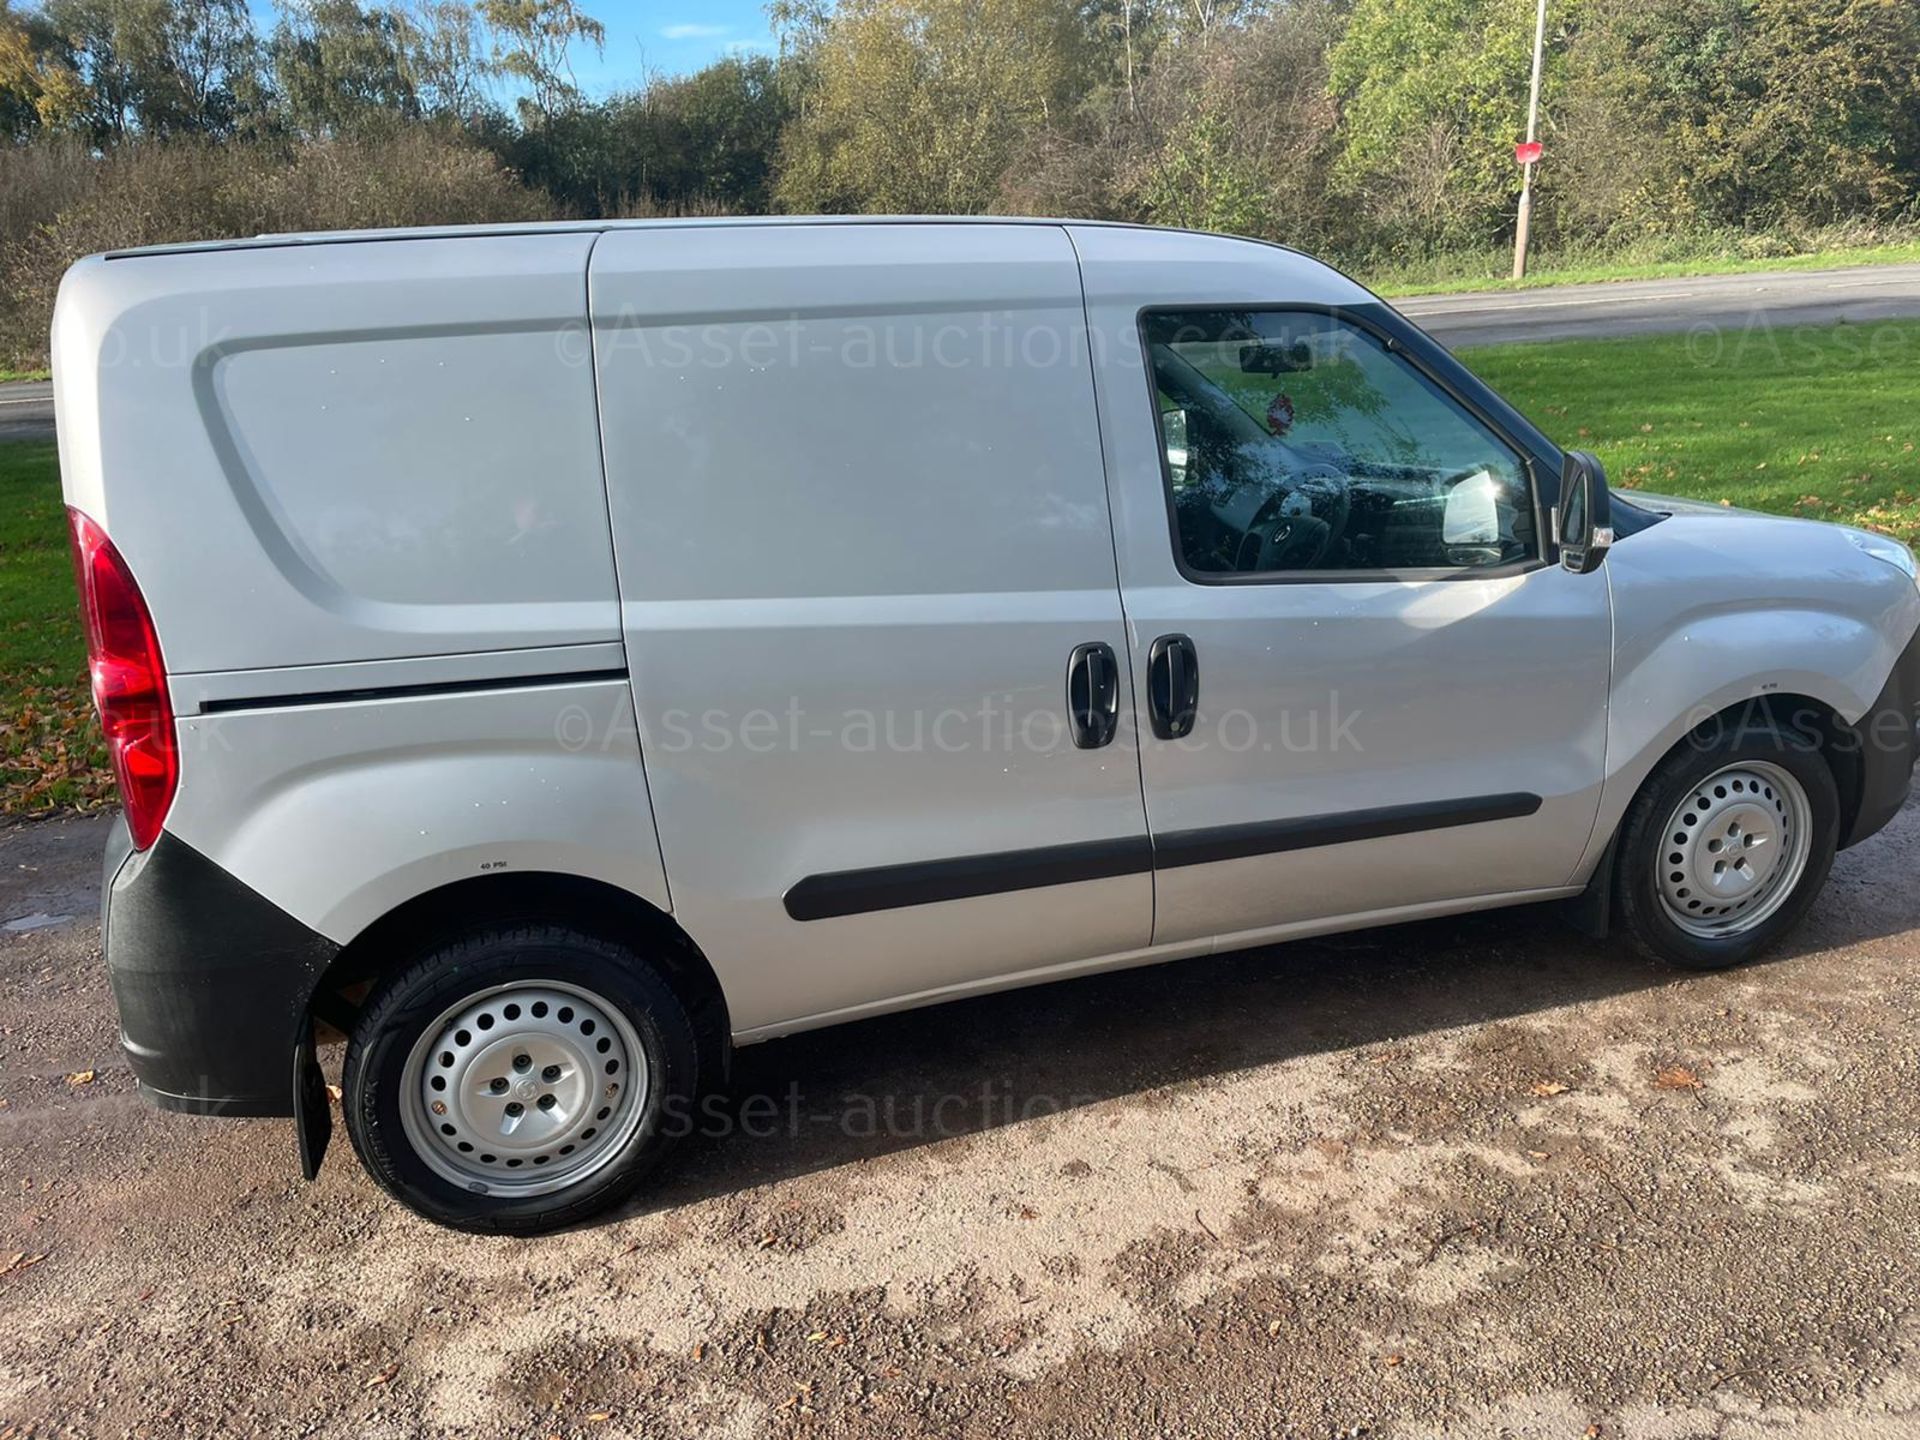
1476	1177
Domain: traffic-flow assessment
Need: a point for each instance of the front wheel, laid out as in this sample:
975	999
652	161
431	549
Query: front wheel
517	1080
1726	847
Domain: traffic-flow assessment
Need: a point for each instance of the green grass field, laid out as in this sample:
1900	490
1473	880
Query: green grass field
1816	422
50	752
1822	421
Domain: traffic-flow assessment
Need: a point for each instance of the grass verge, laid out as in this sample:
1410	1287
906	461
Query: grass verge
1452	276
51	757
8	377
1820	422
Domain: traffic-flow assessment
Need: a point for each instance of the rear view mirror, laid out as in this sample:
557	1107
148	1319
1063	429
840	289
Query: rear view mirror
1265	359
1585	515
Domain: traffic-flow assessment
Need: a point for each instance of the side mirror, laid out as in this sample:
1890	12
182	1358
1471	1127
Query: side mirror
1585	517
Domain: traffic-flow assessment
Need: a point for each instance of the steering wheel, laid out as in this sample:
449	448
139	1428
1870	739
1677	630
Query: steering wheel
1294	542
1298	527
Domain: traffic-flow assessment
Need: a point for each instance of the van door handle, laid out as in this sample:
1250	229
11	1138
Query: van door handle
1093	695
1173	686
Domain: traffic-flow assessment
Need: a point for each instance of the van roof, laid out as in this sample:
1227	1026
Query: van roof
561	227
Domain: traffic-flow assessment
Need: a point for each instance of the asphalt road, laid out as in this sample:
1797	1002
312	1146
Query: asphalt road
1455	1181
1640	307
26	411
1646	307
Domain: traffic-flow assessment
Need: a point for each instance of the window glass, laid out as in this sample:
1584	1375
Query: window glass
1297	442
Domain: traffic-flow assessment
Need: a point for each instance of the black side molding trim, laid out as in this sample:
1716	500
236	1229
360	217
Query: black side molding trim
404	692
922	882
1273	837
892	887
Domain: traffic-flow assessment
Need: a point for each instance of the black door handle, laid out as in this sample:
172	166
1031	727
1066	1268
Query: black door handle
1093	695
1173	686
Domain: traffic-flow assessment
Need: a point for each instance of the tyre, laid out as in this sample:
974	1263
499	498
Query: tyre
518	1080
1726	847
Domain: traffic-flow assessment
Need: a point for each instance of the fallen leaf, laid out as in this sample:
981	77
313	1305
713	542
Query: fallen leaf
700	1351
384	1377
81	1077
598	1416
19	1260
1547	1088
1393	1360
815	1337
333	1093
1539	1155
1676	1077
1273	1327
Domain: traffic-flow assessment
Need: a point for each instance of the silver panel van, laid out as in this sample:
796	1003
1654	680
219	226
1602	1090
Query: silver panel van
553	657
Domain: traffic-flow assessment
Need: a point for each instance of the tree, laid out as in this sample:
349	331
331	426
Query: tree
1741	113
1251	149
445	58
533	40
1433	94
919	105
38	85
1825	121
726	121
340	69
155	67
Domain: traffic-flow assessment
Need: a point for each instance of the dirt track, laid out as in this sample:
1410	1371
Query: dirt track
1456	1178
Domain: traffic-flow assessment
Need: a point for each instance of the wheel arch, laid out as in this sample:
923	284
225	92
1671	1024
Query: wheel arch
489	901
1792	711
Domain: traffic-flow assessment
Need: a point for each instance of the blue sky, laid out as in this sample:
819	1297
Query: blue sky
668	36
673	36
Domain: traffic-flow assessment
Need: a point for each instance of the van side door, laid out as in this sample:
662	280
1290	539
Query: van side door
1365	691
870	605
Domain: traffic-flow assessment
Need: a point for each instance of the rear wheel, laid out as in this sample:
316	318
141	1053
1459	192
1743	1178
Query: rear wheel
517	1080
1727	846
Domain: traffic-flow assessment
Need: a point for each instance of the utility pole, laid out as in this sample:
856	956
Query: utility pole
1531	154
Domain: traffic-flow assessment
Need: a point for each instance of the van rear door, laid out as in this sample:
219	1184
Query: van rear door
871	605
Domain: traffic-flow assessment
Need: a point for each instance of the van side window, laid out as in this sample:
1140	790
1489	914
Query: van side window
1297	443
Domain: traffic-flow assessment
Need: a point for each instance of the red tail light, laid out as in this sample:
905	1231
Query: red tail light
129	680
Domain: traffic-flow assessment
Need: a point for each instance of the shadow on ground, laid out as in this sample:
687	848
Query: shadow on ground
881	1086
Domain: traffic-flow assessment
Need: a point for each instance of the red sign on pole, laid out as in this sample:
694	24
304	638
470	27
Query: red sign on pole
1528	152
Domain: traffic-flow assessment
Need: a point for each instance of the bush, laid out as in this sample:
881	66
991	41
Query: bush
151	193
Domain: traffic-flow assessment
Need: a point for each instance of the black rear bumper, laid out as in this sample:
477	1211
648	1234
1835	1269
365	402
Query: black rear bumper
1888	743
211	979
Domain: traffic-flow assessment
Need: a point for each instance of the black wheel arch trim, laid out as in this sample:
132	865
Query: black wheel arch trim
1887	741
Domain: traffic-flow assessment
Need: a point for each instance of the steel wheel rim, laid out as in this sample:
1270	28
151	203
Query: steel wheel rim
524	1089
1734	850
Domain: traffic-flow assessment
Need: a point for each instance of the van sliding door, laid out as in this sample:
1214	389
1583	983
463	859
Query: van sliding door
870	602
